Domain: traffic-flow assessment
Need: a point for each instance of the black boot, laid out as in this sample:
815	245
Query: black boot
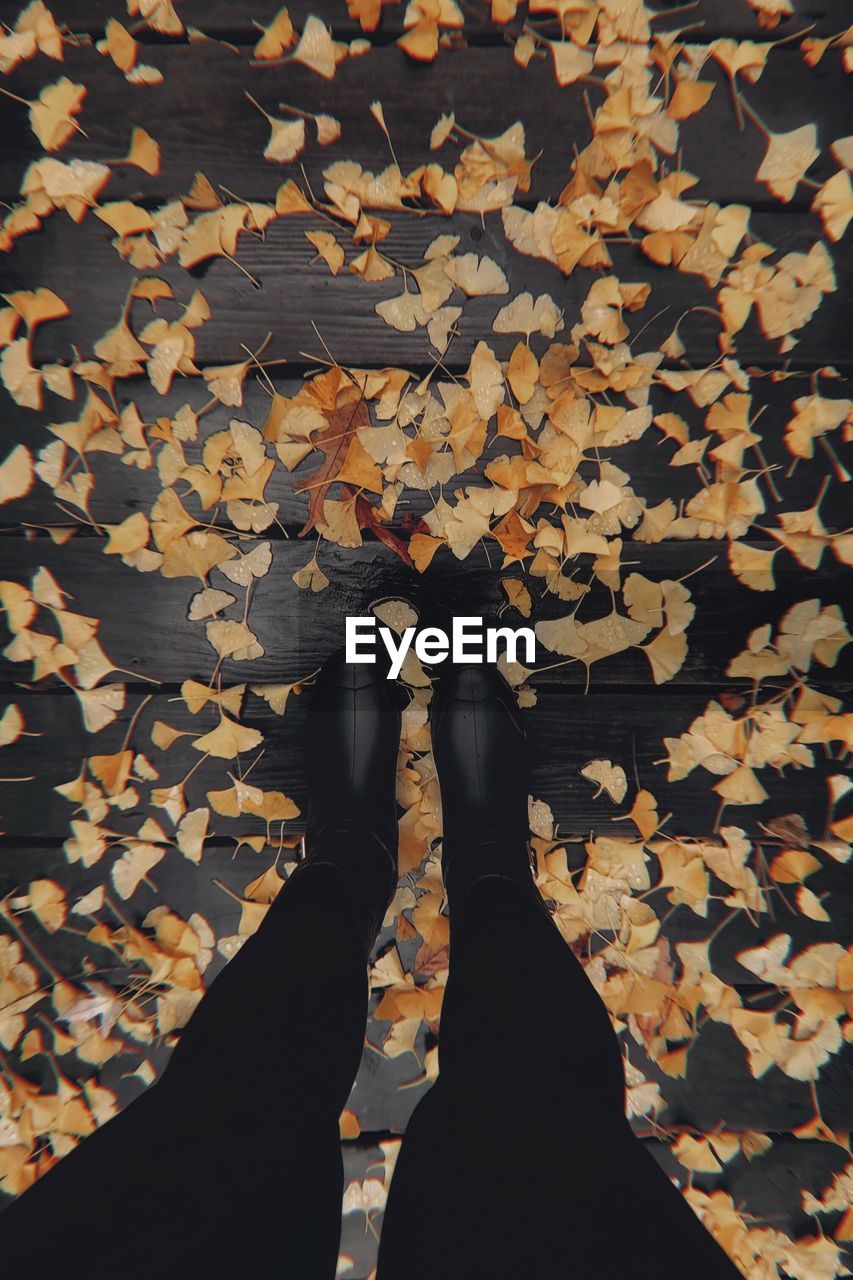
480	750
352	743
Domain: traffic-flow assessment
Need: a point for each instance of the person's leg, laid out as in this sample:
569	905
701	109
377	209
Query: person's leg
520	1160
242	1125
230	1164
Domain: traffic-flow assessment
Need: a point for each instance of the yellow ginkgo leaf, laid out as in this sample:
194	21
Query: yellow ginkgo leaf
787	158
128	536
20	378
226	382
229	637
11	725
112	771
610	778
644	814
771	12
422	549
571	63
16	474
192	831
316	48
133	867
518	596
792	866
328	249
834	203
194	555
18	605
38	23
289	199
523	315
310	577
810	905
197	696
666	654
265	887
125	218
243	570
277	36
36	306
287	139
52	117
371	266
47	902
696	1154
207	603
276	695
359	469
421	41
100	706
339	522
119	45
228	739
479	277
689	97
144	152
328	129
522	376
741	787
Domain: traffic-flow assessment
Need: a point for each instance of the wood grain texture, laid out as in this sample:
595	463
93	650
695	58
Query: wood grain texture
486	89
145	628
294	298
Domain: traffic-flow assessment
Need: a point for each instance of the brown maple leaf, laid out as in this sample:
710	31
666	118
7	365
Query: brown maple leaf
365	514
333	440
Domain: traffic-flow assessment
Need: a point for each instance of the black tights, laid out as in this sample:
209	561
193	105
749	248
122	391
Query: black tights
518	1162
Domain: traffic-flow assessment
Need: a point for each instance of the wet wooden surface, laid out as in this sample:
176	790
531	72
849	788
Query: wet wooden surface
623	716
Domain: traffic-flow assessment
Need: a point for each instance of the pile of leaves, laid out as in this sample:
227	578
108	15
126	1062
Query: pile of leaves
523	449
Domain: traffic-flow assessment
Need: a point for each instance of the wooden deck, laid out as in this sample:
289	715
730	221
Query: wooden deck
299	315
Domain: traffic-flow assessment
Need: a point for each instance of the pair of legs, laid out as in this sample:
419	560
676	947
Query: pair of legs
519	1162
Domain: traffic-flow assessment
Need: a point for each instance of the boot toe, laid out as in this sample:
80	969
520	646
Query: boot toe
477	688
337	672
474	683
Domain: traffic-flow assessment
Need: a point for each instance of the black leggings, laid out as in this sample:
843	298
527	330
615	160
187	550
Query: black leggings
518	1162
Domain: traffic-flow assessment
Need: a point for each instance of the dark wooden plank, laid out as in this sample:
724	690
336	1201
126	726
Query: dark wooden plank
719	1091
565	734
121	490
295	297
831	883
145	630
772	1185
202	119
234	19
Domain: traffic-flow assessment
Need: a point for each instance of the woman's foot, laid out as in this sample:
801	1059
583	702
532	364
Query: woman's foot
480	750
351	747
